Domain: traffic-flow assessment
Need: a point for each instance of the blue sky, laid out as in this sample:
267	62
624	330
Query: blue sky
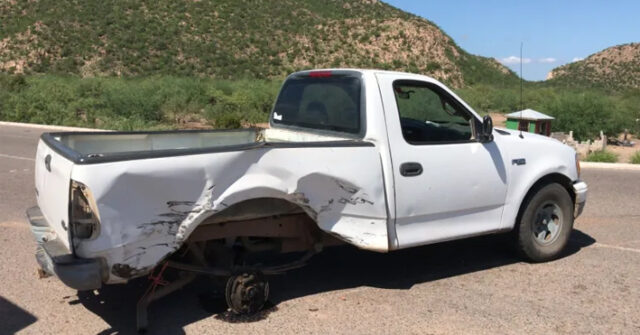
553	32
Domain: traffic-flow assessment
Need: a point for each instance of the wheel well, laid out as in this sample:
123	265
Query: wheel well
552	178
264	218
255	208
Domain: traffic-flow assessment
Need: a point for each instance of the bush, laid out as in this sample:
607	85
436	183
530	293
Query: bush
164	102
586	112
635	159
602	156
158	102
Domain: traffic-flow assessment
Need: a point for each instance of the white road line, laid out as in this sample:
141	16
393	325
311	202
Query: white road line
610	166
19	136
601	245
46	126
13	224
17	157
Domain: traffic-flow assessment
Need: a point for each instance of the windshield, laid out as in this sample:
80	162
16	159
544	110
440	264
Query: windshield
330	102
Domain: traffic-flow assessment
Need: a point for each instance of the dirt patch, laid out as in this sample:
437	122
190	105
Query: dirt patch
12	224
499	120
625	153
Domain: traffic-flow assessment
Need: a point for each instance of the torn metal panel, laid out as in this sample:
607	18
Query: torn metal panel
149	208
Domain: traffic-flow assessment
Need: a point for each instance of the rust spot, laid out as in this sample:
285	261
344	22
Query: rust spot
180	203
355	201
172	215
326	207
126	271
172	226
347	188
299	197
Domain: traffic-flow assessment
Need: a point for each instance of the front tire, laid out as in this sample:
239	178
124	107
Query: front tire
545	224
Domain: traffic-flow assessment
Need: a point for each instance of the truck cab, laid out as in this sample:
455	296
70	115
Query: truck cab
448	173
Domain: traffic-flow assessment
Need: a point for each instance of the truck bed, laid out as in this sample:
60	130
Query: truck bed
83	147
100	147
105	143
196	171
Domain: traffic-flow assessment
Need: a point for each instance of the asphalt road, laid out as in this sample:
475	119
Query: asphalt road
474	286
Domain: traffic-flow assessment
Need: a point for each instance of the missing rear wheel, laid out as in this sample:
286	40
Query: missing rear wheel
246	293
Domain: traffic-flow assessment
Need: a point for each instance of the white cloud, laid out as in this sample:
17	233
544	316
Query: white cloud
577	59
547	60
514	60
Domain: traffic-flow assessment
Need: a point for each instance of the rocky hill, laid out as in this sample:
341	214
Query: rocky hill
229	39
617	67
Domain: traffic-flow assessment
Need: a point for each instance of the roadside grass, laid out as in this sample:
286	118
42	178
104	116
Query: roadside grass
157	102
602	156
585	111
173	102
635	159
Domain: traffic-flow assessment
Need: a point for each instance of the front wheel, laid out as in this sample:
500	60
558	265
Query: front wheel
546	223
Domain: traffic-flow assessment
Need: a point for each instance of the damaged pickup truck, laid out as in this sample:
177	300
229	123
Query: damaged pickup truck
379	160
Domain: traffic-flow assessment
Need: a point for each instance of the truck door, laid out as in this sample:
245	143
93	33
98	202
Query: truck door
447	184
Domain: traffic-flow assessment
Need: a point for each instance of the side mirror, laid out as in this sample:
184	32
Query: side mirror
486	130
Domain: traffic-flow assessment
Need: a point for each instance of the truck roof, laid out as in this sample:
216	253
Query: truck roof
372	71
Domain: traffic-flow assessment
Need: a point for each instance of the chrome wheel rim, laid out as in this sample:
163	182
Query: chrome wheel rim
547	223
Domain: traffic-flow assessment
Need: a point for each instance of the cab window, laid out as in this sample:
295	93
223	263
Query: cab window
324	103
429	115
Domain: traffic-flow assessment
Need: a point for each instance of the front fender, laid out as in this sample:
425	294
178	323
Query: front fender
543	157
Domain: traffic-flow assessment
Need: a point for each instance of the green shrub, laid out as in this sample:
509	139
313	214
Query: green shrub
602	156
163	102
158	102
433	66
586	112
635	159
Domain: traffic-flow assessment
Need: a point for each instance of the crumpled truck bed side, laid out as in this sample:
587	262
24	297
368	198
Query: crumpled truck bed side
148	208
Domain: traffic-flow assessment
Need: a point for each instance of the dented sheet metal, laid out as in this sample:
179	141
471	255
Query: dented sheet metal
149	208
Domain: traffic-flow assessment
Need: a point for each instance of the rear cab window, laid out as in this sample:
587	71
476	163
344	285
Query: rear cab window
325	101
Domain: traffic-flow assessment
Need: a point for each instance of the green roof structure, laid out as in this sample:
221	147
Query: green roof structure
530	121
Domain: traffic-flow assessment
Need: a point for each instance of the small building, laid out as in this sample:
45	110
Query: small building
530	121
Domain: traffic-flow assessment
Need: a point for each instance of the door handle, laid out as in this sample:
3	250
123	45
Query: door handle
410	169
47	163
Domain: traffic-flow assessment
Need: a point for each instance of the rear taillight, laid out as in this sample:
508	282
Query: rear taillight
84	221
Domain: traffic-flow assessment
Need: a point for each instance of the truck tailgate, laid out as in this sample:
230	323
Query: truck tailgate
53	174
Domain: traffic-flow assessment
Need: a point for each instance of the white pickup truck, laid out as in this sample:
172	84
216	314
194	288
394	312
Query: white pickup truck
380	160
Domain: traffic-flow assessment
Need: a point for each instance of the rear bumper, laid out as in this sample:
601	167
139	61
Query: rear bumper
580	190
55	259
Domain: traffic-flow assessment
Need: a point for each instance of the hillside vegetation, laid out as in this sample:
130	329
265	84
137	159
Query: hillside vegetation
182	64
229	39
158	102
613	68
